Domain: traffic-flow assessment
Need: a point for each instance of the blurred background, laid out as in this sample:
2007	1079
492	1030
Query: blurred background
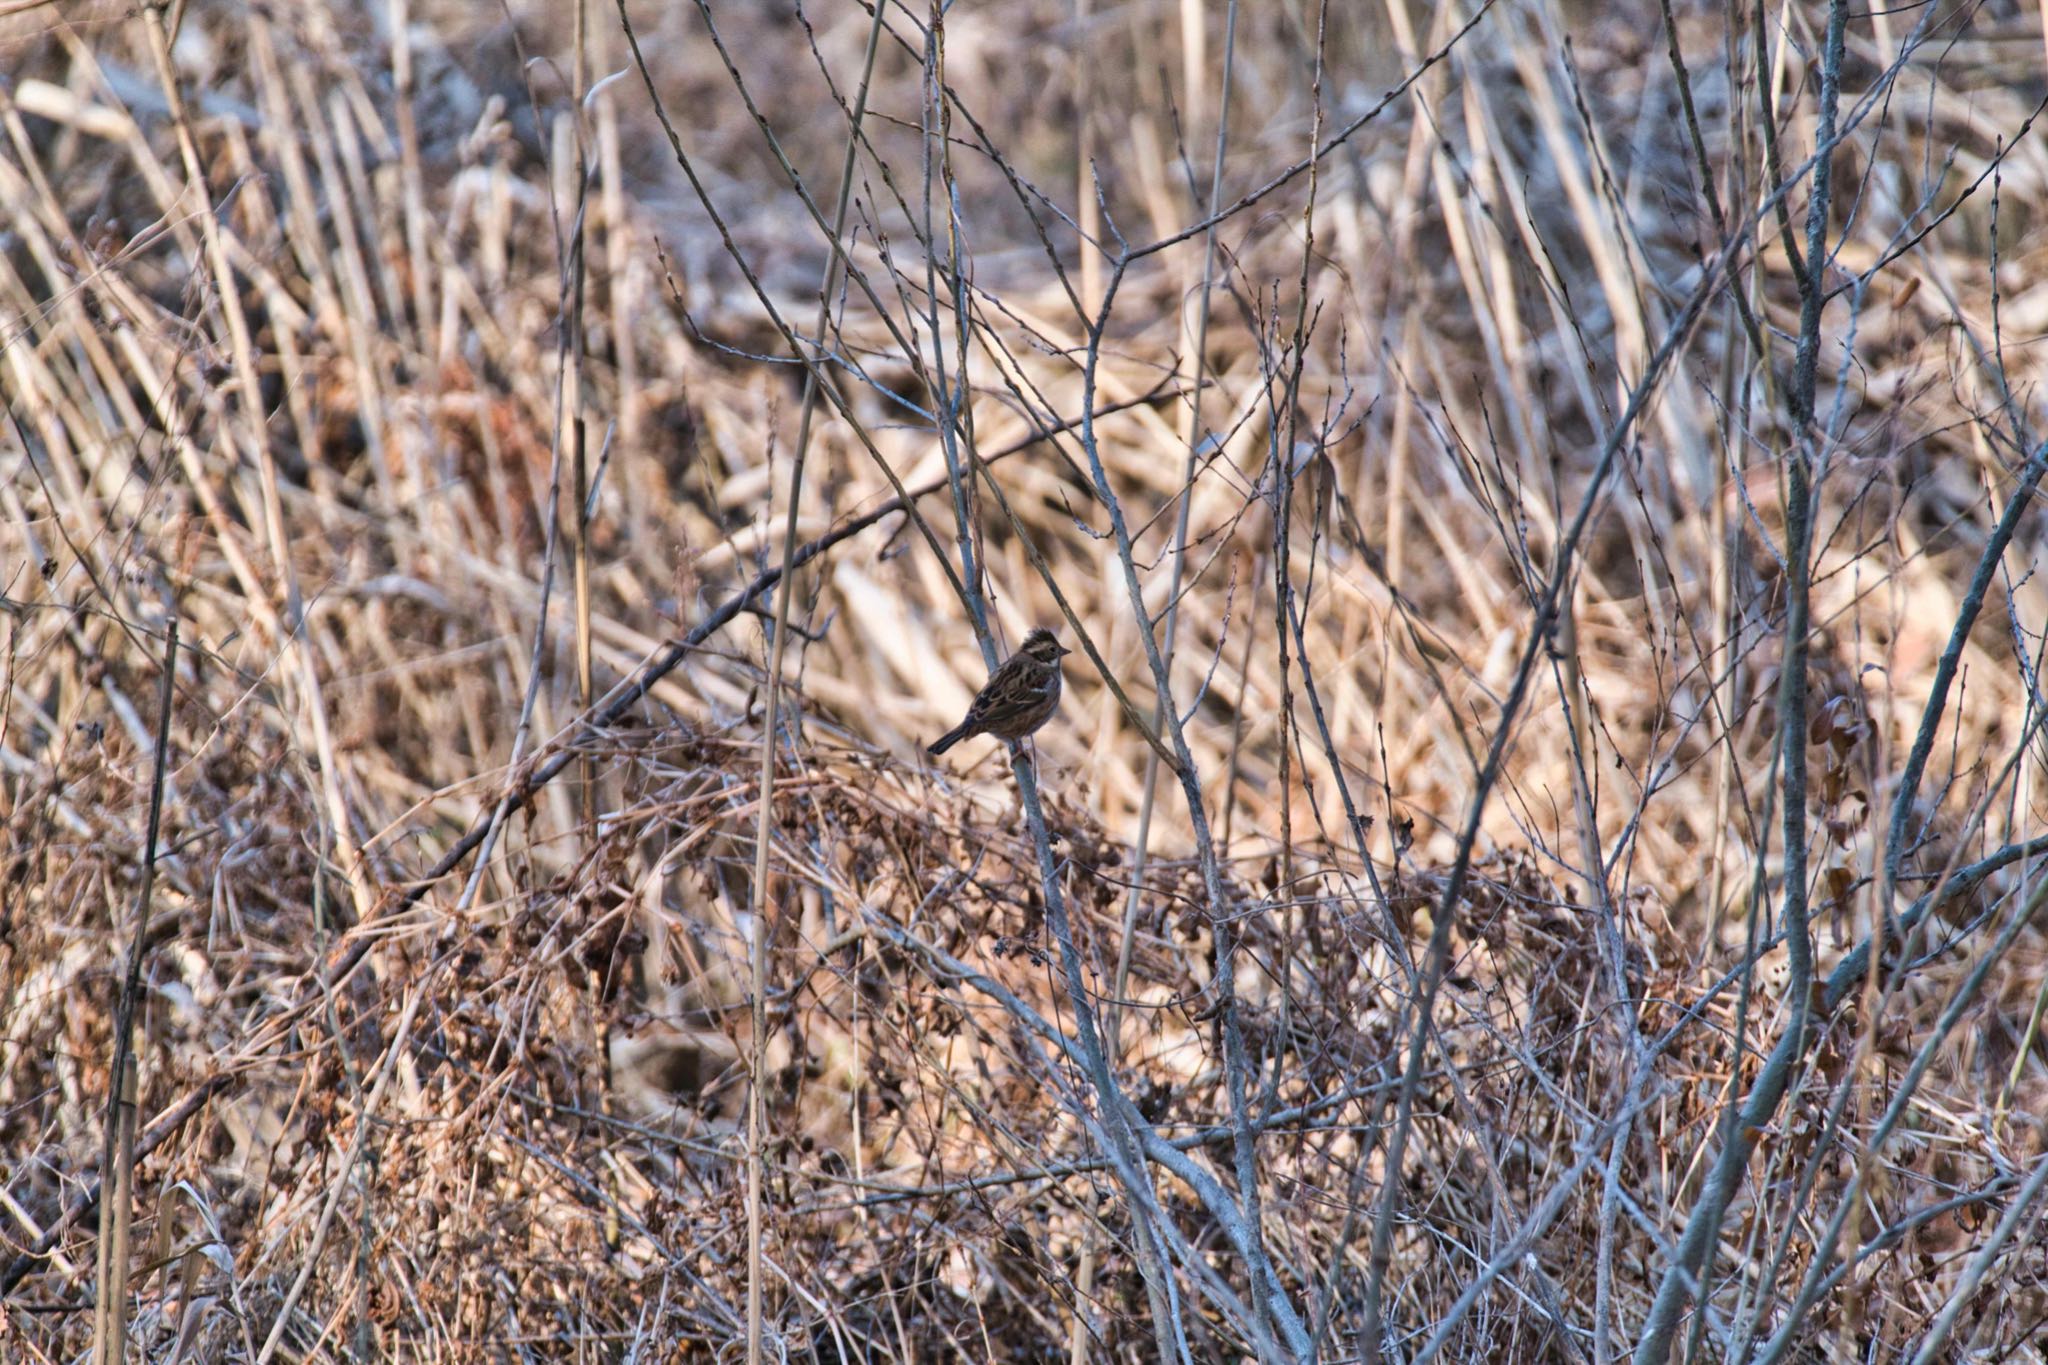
1381	330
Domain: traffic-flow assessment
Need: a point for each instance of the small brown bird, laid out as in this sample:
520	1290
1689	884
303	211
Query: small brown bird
1020	696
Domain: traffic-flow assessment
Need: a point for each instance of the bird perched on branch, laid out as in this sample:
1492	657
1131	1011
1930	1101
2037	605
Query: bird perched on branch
1020	696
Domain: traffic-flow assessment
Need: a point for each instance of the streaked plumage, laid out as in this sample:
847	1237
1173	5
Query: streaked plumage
1020	696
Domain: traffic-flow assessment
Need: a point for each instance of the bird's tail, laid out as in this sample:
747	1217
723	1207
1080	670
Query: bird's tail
947	740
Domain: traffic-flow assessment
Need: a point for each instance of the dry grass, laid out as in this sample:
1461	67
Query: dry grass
283	354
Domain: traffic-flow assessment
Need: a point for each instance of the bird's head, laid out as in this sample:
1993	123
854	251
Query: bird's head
1041	645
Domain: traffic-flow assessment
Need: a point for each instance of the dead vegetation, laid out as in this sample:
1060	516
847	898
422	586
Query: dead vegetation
1594	615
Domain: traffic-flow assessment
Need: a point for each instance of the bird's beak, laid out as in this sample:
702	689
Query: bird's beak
1064	651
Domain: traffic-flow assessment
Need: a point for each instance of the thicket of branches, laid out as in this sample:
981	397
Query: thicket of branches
1541	854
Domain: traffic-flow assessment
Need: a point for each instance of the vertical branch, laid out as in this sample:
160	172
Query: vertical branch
573	346
1200	333
570	395
1268	1296
1115	1110
951	397
1684	1276
757	943
1087	205
117	1153
757	965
